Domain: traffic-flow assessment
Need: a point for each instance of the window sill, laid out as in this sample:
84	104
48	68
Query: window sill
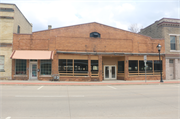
174	50
20	75
45	76
2	70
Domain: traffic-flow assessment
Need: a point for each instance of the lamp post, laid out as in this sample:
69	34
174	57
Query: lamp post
159	49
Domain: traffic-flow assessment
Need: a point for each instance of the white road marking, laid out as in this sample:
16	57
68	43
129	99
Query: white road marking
111	87
173	85
39	88
8	117
50	96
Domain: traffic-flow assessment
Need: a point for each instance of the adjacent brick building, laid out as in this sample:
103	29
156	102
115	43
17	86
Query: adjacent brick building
11	21
86	52
169	30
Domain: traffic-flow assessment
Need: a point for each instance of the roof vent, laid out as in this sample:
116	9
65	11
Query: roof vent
49	26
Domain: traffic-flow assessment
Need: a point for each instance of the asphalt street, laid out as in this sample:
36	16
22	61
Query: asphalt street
90	102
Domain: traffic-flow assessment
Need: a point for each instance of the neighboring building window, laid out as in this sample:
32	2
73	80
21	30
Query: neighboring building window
95	35
45	67
80	66
94	66
18	29
170	61
20	67
179	42
1	63
173	42
133	66
6	10
120	66
157	65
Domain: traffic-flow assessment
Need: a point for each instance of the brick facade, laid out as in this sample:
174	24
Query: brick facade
77	39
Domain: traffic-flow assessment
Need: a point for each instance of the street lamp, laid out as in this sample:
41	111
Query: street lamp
159	49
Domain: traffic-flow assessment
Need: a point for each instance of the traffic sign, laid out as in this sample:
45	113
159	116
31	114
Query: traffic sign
145	58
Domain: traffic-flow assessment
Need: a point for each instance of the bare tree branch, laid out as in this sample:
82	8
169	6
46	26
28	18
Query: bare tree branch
134	28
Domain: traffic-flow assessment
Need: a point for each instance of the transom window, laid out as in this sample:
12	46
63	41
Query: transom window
95	35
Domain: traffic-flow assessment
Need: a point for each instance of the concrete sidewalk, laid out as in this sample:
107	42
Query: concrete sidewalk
73	83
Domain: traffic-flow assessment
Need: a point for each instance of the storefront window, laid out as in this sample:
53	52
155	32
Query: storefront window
120	66
65	65
157	65
20	67
94	66
45	67
80	66
148	67
62	65
133	66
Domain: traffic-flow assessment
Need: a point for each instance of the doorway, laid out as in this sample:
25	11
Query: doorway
109	72
33	70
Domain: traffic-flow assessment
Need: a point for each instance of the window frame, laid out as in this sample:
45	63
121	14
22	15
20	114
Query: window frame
41	68
3	58
18	29
173	43
21	66
92	35
119	71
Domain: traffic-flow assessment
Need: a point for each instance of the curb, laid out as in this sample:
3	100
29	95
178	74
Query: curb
85	84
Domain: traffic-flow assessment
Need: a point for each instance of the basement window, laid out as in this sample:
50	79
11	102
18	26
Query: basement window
95	35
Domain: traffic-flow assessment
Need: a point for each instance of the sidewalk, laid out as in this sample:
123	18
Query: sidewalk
73	83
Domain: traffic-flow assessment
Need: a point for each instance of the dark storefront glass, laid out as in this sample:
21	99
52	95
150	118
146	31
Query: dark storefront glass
133	66
120	66
80	66
157	65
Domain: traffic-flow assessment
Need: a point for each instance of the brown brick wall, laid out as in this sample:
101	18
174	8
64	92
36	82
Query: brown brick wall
77	38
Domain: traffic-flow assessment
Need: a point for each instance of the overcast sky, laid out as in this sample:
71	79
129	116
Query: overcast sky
116	13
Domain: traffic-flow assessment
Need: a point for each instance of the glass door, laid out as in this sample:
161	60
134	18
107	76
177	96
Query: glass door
109	72
33	71
106	72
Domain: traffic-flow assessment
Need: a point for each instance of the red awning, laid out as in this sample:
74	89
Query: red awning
32	54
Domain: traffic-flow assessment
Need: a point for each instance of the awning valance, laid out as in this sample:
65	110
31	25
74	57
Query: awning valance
32	54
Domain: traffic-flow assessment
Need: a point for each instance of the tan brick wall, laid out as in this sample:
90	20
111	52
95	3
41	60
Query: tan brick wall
7	28
19	19
6	52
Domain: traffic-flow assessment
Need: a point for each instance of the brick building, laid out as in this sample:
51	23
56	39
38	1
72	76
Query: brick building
11	21
169	30
86	52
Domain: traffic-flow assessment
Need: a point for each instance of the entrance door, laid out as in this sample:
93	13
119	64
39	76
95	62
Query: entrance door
33	71
109	72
